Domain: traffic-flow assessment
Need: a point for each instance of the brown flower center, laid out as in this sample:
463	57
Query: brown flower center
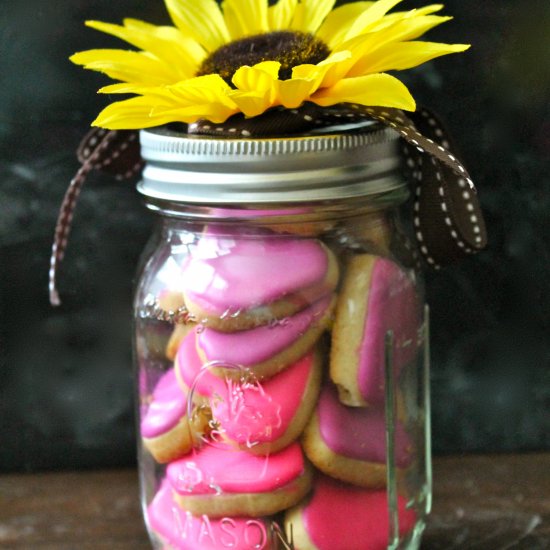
290	48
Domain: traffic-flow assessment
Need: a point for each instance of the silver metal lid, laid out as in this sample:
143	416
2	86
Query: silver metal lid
332	165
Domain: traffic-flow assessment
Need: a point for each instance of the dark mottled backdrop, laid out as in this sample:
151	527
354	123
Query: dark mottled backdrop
65	376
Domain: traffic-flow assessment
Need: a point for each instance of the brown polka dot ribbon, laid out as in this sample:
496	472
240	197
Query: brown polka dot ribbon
448	222
115	152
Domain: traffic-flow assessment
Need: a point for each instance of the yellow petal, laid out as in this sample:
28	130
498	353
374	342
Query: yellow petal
259	78
245	17
179	54
402	55
202	20
309	14
124	88
130	114
213	112
251	103
338	22
307	72
336	67
400	30
202	89
200	97
182	48
327	72
432	8
391	18
293	92
376	90
280	15
202	92
407	28
136	67
370	16
160	93
257	87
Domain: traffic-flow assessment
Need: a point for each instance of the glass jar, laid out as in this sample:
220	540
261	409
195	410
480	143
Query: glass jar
281	345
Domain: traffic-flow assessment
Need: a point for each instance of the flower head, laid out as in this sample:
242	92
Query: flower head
246	57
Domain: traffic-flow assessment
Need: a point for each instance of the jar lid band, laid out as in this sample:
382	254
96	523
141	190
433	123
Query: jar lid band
448	222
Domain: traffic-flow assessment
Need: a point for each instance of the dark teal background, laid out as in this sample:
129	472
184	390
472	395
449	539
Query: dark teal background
65	374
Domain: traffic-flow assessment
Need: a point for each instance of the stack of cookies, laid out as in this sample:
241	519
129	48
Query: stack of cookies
274	408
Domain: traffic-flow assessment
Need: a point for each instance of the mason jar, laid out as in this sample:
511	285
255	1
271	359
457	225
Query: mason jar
281	344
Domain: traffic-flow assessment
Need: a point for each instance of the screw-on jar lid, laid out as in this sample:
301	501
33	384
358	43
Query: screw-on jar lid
202	169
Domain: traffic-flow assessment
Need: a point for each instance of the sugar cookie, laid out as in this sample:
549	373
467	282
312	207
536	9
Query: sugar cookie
178	334
244	279
268	349
260	417
218	481
377	296
165	428
349	443
183	531
343	517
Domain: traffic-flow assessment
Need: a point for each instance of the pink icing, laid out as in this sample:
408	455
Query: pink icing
189	366
167	408
342	517
215	469
257	412
250	347
392	305
359	433
249	412
244	270
186	532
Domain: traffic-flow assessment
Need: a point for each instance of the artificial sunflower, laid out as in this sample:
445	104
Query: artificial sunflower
247	57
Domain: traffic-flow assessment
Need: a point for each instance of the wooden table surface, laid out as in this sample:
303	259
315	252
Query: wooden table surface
480	502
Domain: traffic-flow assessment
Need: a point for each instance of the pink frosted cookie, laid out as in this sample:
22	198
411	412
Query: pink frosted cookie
183	531
219	481
178	334
342	517
349	443
165	429
268	349
377	296
260	417
241	280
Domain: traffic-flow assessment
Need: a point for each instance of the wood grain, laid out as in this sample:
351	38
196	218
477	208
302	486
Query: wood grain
480	503
490	503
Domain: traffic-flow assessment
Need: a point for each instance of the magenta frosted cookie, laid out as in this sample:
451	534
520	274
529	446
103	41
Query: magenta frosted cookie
343	517
218	480
178	334
183	531
349	443
165	428
261	417
246	279
379	293
264	417
268	349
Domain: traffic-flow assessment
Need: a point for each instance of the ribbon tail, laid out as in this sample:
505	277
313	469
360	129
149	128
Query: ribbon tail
448	221
66	213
